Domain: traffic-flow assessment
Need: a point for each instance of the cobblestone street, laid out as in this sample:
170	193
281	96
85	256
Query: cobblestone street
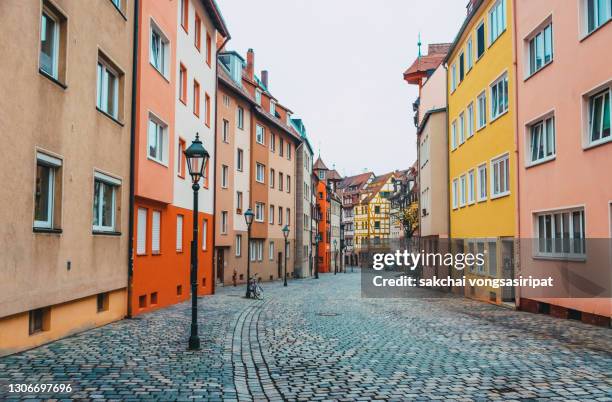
318	339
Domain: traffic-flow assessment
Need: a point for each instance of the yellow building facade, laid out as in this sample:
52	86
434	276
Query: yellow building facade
373	213
481	129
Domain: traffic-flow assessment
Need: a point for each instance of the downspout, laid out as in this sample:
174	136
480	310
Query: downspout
448	182
130	288
298	151
517	156
214	206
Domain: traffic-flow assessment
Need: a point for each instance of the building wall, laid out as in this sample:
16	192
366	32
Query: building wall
324	245
303	252
433	93
60	268
336	259
545	186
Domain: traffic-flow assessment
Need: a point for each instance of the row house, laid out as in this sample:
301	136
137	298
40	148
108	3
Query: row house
404	200
349	189
323	202
175	103
257	161
64	249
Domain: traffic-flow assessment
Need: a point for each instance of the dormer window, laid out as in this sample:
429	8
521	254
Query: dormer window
258	96
272	108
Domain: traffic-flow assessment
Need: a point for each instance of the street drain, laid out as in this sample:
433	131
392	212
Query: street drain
328	314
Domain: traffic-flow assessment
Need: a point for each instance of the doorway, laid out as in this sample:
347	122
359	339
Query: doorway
280	265
220	265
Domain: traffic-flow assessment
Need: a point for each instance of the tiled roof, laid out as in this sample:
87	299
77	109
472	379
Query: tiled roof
431	61
334	175
216	17
319	165
357	180
375	186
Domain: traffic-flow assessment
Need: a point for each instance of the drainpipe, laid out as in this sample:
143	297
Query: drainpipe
298	151
133	107
517	157
214	206
448	182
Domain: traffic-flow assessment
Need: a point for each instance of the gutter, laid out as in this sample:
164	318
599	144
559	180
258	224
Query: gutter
214	209
133	107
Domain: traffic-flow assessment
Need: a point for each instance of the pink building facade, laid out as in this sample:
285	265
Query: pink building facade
564	77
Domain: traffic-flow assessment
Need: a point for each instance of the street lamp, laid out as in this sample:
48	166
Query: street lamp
335	256
286	235
248	217
197	159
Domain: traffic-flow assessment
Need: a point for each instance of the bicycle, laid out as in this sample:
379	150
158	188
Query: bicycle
255	288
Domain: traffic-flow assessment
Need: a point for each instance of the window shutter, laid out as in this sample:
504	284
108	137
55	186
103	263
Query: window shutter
141	245
179	232
155	224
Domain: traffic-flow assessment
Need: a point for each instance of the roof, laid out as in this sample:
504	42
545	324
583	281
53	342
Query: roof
216	17
423	64
474	6
357	180
319	165
334	175
375	186
426	118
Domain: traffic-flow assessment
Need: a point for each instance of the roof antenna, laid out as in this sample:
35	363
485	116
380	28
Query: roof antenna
419	45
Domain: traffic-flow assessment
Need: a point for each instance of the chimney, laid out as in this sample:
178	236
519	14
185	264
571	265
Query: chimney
250	69
264	78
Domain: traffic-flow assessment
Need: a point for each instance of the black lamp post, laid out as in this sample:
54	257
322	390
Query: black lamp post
286	235
248	217
197	159
335	256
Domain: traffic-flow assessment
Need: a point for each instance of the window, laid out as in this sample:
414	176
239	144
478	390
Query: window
223	222
225	131
258	96
184	13
207	109
240	117
271	215
454	77
288	183
281	147
461	128
45	197
500	177
561	234
463	191
377	209
480	40
238	245
482	182
260	172
196	98
280	181
470	54
597	13
107	97
180	158
499	96
271	250
260	135
259	212
204	234
471	187
377	225
454	135
159	53
280	215
321	175
288	216
39	320
182	84
470	120
179	233
482	110
208	49
157	140
461	66
272	142
239	201
104	202
101	302
497	20
50	42
289	150
256	250
455	193
155	232
272	108
272	177
540	49
197	32
599	117
239	159
224	177
542	140
141	232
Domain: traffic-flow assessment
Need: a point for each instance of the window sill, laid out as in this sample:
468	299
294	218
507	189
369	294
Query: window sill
497	38
502	195
46	230
544	257
481	128
540	162
110	117
597	143
587	35
179	251
160	73
156	253
157	161
119	10
52	79
105	233
498	116
537	71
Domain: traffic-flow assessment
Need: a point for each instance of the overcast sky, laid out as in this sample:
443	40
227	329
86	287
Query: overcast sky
338	64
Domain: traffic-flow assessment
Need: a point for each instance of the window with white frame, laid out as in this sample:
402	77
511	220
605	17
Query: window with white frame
482	110
271	250
225	132
223	222
260	171
497	20
598	12
47	168
204	234
499	96
455	193
240	118
256	250
542	140
469	49
271	215
471	187
258	96
156	232
104	202
500	176
272	107
470	120
239	159
482	182
260	135
141	232
239	201
224	176
462	194
107	97
540	49
280	216
561	234
454	135
179	233
159	50
453	77
272	178
272	142
238	245
480	40
49	43
288	217
259	211
599	108
157	147
461	128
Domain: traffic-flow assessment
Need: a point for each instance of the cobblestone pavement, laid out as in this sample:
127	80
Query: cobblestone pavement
319	340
